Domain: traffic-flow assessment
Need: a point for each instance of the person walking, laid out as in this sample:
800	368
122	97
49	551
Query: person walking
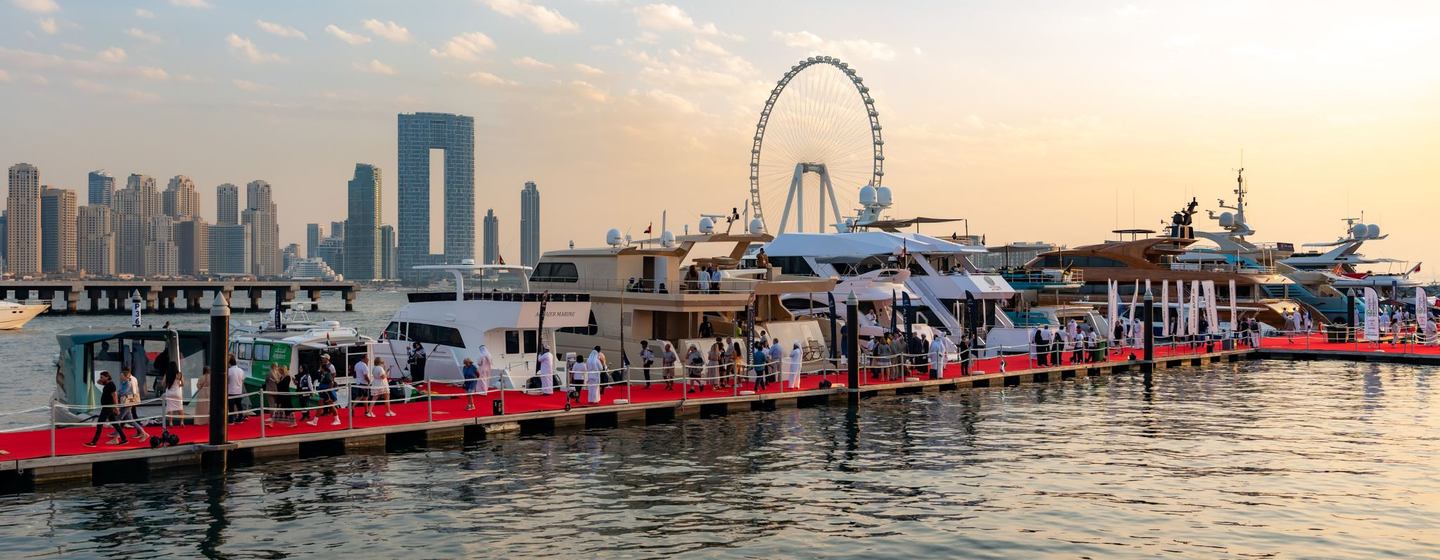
235	390
472	383
937	357
109	411
328	396
175	399
797	357
594	369
667	363
647	360
380	385
773	354
757	364
416	359
486	365
545	364
129	392
694	365
307	396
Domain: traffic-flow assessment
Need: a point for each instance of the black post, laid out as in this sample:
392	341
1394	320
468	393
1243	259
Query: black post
852	348
1149	315
1349	315
219	362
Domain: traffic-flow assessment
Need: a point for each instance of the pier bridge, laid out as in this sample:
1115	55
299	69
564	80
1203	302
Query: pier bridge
161	296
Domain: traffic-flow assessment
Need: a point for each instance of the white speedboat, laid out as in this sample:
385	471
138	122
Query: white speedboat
15	315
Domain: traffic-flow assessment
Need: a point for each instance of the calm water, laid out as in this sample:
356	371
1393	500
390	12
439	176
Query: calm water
1266	459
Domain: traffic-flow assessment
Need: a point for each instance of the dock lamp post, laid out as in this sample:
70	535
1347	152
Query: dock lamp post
219	362
852	349
1149	366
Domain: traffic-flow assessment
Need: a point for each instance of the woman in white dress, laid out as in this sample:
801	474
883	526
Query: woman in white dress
379	387
484	363
175	400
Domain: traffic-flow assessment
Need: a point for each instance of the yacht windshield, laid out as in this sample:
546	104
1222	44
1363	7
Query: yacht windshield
498	280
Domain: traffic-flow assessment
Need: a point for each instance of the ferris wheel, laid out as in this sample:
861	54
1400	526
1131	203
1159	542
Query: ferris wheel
822	132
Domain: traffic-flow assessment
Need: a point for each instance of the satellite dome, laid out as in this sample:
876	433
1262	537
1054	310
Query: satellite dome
707	225
757	226
1227	219
867	195
467	261
1358	231
667	238
882	196
1372	231
612	238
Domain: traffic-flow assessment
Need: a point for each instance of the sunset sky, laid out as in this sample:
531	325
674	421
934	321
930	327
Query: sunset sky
1050	121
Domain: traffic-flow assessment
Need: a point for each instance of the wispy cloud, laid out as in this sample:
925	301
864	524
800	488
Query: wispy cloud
279	30
547	19
669	17
37	6
589	70
191	3
248	85
107	63
107	90
247	51
588	90
142	35
144	13
112	54
488	79
468	46
346	36
388	30
375	67
49	26
529	62
4	76
848	49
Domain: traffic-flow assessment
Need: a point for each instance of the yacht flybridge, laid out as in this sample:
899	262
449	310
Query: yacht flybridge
501	314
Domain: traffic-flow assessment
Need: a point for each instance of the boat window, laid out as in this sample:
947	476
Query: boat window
555	272
792	265
512	342
393	332
917	270
530	342
591	329
244	352
1080	261
262	352
435	334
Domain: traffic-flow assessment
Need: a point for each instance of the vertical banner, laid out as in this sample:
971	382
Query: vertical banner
1372	315
1130	317
1193	325
1234	318
1180	322
1212	310
1164	308
1422	312
1112	308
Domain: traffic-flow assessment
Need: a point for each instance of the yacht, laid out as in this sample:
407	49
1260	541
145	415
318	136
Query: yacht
15	315
492	306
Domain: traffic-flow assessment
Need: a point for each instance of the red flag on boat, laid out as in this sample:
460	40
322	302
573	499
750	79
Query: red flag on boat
649	227
1416	269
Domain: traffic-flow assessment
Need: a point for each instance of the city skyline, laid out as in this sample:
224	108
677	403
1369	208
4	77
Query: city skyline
1136	107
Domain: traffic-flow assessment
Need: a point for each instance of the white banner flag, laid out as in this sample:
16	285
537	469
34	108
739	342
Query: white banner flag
1193	325
1113	310
1234	317
1180	322
1164	308
1372	315
1212	308
1422	312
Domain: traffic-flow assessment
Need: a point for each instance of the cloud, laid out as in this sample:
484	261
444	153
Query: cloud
142	35
346	36
191	3
246	50
375	67
589	91
4	76
532	63
153	73
848	49
468	46
547	19
37	6
112	91
279	30
674	102
1130	11
388	30
248	85
589	70
144	13
488	79
668	17
112	54
49	26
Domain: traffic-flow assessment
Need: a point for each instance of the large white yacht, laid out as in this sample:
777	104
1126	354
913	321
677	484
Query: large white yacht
15	315
497	310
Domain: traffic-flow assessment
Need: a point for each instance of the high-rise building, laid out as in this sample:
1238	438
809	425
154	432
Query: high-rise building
227	205
337	229
491	252
4	238
95	240
162	257
230	250
57	231
332	251
529	224
181	201
102	188
264	229
419	133
135	206
22	254
313	234
387	252
192	244
288	256
362	225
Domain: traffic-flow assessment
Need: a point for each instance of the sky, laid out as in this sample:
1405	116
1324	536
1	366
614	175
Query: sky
1055	121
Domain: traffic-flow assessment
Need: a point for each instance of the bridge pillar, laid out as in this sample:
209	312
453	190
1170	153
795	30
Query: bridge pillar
192	300
151	296
255	294
314	300
72	301
349	295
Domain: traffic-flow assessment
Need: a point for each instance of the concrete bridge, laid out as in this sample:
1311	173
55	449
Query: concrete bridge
113	296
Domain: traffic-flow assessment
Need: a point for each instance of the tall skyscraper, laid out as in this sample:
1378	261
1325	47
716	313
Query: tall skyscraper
337	229
4	238
419	133
264	229
491	253
387	252
102	187
313	234
57	231
529	224
181	201
230	250
135	206
192	244
362	225
162	257
22	254
227	205
95	240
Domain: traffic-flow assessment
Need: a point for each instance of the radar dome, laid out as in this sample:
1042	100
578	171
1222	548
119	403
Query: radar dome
1358	231
667	238
757	226
612	238
707	225
1227	219
882	196
1372	231
867	195
467	262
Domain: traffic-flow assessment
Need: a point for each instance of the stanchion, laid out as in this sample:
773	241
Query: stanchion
430	402
262	414
52	429
350	410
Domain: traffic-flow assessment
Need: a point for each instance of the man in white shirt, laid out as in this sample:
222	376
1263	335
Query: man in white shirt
360	386
234	388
